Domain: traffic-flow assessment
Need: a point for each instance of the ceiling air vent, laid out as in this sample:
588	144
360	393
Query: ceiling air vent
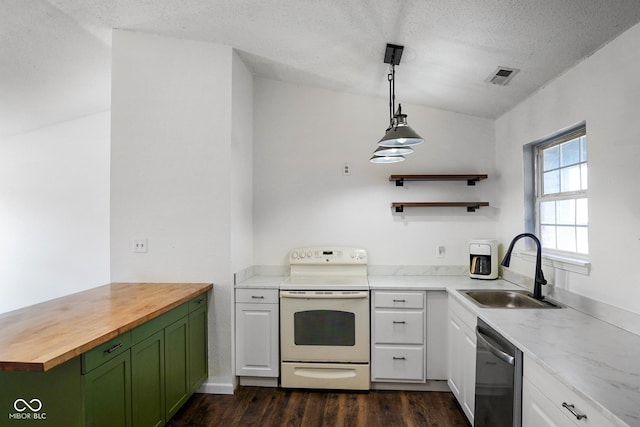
502	76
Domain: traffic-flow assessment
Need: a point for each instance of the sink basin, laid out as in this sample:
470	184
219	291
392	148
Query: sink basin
500	298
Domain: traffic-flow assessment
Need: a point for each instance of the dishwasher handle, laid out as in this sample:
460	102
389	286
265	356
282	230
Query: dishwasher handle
486	340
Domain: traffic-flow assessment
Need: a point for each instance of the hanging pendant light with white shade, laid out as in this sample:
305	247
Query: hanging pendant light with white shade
399	136
386	159
397	150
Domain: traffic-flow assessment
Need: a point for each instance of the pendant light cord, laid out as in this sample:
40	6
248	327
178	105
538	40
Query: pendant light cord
392	93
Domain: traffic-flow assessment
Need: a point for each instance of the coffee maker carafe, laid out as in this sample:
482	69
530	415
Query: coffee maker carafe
483	259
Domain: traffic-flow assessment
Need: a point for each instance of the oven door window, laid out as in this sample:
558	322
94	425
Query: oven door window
324	327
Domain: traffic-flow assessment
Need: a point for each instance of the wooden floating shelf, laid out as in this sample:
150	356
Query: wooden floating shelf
470	178
471	206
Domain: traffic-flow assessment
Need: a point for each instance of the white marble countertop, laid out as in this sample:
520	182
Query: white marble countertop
261	282
598	361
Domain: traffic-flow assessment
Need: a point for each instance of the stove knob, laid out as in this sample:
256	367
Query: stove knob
309	254
303	254
294	254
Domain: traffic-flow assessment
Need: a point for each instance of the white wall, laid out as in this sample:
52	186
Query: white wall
54	211
302	138
241	204
171	171
604	91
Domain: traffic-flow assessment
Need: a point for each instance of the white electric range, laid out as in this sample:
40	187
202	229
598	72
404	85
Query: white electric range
324	319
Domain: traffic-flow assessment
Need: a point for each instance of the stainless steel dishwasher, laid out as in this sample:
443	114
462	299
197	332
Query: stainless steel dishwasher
498	380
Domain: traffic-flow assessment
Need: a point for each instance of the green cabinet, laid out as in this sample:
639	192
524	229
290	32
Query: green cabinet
177	365
107	392
138	379
147	386
198	351
55	398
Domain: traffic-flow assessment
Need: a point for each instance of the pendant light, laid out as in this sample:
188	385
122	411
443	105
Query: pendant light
386	159
399	137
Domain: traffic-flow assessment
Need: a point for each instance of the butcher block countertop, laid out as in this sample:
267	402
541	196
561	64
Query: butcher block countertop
43	336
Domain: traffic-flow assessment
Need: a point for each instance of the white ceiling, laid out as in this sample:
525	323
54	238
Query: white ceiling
56	54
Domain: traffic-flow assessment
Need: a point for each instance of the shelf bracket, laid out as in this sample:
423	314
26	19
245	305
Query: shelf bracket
400	208
472	208
400	182
472	181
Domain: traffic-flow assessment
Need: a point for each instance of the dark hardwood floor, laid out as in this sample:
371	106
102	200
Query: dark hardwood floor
265	406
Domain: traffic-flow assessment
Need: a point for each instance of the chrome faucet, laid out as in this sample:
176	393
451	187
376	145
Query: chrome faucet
539	279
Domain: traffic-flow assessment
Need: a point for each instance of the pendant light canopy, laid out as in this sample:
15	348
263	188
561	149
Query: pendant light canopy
399	136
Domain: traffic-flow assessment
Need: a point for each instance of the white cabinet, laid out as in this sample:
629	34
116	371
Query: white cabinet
398	336
462	356
257	343
546	402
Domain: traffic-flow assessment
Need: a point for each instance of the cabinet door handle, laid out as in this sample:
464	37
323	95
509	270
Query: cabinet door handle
399	300
257	296
399	358
572	408
401	322
200	301
114	348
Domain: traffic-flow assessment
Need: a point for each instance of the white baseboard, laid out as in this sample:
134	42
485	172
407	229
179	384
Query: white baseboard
259	382
218	385
429	385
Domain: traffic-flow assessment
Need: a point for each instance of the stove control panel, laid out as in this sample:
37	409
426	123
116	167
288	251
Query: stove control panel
328	255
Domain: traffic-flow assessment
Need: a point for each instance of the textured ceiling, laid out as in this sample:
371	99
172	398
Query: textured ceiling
56	54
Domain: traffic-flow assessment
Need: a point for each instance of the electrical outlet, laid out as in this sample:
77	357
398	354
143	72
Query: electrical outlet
346	170
440	252
140	245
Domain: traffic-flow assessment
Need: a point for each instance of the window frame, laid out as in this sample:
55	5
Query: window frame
538	196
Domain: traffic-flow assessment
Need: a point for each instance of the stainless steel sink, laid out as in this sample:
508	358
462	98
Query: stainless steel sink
499	298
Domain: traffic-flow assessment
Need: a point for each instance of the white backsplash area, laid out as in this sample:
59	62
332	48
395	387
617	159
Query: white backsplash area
417	270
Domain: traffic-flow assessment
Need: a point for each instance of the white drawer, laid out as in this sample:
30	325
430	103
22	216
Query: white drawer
397	363
557	394
257	296
398	327
390	299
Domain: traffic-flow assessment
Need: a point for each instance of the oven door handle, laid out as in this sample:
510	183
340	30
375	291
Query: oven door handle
324	295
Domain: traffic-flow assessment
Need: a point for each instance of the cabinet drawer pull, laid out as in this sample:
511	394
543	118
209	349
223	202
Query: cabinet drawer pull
572	408
257	296
200	301
399	300
114	348
399	322
399	358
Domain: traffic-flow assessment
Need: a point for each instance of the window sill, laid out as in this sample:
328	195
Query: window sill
574	265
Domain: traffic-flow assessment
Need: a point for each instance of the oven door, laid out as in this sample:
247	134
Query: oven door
324	326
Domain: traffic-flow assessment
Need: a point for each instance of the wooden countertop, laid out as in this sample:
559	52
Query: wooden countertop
42	336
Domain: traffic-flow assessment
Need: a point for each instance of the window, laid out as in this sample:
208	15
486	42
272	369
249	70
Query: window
562	219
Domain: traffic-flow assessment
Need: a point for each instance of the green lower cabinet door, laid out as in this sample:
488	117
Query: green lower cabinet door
108	393
176	352
198	371
147	382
